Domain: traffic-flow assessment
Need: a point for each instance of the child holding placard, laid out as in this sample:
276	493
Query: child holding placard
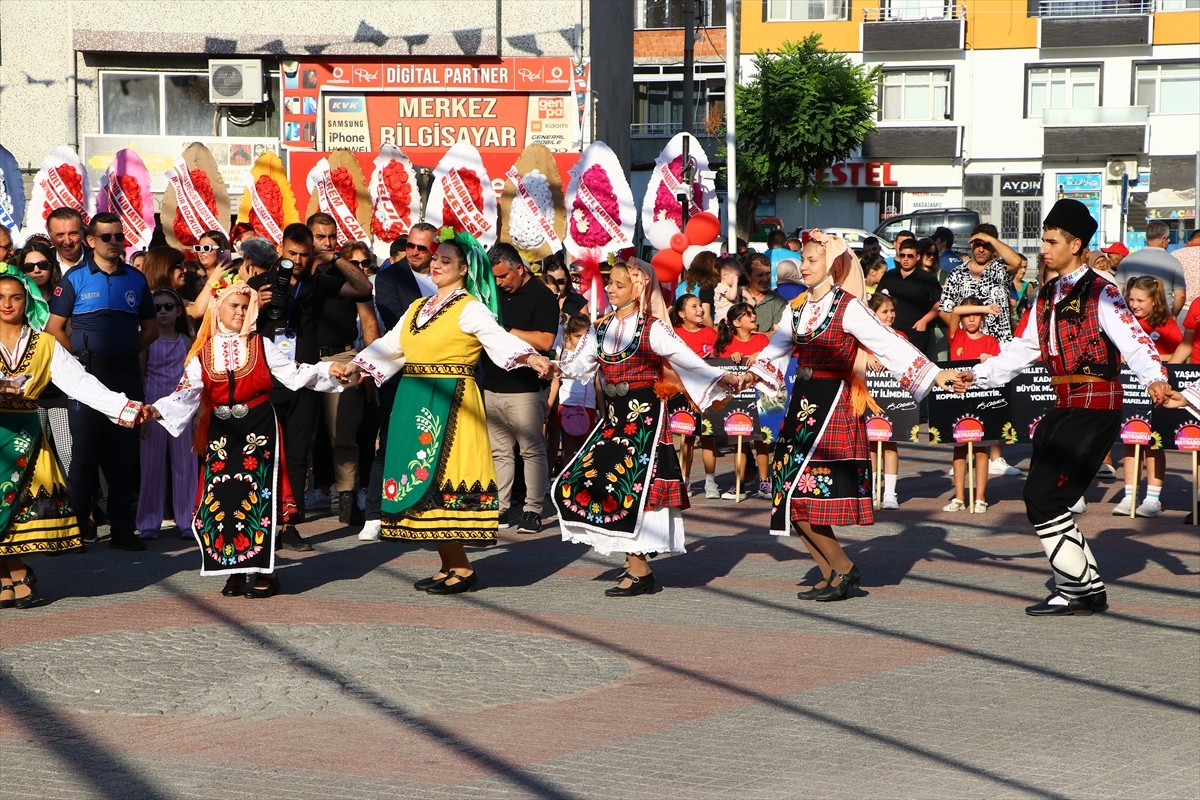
1148	302
968	342
738	339
883	306
687	317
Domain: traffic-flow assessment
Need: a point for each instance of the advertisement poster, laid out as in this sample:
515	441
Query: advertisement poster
1135	413
1086	188
1177	428
738	416
900	417
979	415
1030	397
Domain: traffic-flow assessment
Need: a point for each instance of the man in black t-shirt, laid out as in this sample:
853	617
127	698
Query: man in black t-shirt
315	280
516	401
916	294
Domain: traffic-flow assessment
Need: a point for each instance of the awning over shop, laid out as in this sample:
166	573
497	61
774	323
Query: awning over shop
1172	188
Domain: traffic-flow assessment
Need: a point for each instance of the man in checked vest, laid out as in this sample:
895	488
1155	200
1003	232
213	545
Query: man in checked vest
1081	329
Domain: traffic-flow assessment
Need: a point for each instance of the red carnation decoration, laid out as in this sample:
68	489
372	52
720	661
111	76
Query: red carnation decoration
585	230
475	190
272	198
132	191
395	186
73	181
666	205
204	189
345	185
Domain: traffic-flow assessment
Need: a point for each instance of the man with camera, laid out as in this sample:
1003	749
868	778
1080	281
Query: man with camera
111	313
292	297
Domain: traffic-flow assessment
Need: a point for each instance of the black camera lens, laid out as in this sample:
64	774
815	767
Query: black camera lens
281	290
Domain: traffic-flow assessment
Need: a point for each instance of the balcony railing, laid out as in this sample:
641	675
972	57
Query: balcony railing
1127	115
915	12
1094	8
666	129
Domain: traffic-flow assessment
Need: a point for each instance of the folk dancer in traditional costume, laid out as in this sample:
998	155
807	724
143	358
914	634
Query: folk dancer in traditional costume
35	515
243	491
820	468
623	491
1080	328
439	482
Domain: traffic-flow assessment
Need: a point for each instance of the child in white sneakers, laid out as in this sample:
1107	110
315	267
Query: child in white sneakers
883	306
968	342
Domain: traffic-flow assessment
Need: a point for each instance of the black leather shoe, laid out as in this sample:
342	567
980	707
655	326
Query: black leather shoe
133	545
1074	607
269	590
464	583
290	539
640	585
1099	602
424	584
30	600
841	589
234	585
811	594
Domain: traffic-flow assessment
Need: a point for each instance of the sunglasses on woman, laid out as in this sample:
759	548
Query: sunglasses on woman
361	263
205	248
30	266
164	306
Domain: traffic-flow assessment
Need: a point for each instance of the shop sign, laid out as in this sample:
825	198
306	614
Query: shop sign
1021	185
856	175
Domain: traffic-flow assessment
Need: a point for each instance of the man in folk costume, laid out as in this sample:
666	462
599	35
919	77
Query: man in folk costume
1081	329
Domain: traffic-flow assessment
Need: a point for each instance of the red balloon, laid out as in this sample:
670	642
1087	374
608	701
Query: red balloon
679	242
667	265
702	228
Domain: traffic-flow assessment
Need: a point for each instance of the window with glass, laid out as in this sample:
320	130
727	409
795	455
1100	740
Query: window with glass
919	9
658	99
176	104
1179	5
922	94
669	13
802	10
1068	86
1168	88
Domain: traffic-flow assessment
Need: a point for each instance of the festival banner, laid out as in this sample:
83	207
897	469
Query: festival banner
738	415
977	416
1030	396
899	420
1176	428
1135	413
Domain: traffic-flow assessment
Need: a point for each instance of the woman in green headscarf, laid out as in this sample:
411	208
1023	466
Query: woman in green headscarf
439	483
35	516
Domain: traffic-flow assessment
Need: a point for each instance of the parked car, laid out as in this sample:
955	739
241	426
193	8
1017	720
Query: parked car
924	222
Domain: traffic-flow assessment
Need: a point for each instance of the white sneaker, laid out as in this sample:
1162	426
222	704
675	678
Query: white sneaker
711	492
890	502
1150	508
1079	507
1107	471
316	499
370	531
954	505
980	506
1002	467
1121	509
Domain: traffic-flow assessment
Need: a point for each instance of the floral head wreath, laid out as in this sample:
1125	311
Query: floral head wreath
221	284
481	281
37	311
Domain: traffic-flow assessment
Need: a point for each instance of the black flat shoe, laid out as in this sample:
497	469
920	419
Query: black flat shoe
290	539
235	585
269	590
1074	607
465	583
424	584
838	592
12	601
811	594
640	585
31	599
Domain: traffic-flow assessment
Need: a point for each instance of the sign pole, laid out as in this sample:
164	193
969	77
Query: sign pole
737	484
971	477
1195	487
1137	474
878	488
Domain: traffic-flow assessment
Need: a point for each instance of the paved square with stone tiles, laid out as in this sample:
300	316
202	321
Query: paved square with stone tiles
137	679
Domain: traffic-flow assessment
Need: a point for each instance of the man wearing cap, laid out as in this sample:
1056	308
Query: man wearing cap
1081	329
1154	261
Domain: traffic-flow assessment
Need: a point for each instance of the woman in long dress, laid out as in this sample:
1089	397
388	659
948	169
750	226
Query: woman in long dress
439	482
35	516
820	470
243	492
623	492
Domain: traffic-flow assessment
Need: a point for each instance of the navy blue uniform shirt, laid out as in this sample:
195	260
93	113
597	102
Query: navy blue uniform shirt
106	311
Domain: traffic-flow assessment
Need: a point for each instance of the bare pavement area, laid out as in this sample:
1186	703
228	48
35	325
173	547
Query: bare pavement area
137	679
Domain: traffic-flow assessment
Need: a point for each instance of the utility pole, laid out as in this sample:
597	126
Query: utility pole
689	52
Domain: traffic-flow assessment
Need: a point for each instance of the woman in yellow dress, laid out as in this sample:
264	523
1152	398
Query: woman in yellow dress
439	483
35	516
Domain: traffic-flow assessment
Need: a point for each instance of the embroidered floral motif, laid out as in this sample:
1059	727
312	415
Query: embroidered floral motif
429	428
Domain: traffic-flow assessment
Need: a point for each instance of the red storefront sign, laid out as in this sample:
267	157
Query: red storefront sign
857	174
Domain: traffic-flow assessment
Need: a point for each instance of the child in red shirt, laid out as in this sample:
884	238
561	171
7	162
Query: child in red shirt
969	343
738	339
687	317
884	307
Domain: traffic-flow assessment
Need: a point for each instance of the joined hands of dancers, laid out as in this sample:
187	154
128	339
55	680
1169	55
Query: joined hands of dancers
543	366
1161	393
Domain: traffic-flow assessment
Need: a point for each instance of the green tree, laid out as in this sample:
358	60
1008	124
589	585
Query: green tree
804	110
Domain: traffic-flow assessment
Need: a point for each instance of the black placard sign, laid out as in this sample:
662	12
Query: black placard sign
739	414
1135	411
1176	428
1030	396
900	418
979	415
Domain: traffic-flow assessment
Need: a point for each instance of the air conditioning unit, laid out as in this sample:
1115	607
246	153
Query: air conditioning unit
235	81
1119	169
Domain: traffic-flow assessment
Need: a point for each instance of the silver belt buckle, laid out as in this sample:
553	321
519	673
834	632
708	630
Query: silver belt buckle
616	389
221	412
239	410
